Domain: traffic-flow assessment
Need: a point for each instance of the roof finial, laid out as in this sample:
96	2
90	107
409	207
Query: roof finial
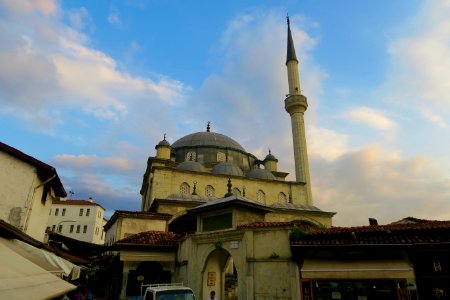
208	127
287	17
270	151
195	187
229	185
164	137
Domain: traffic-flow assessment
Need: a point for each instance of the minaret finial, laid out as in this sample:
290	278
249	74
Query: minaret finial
164	137
208	126
287	17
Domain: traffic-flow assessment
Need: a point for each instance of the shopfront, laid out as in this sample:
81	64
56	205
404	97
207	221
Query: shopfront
326	279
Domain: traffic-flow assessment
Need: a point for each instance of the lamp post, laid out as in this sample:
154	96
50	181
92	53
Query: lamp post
64	221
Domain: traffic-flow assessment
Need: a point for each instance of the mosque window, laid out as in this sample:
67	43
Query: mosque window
237	192
261	196
230	158
185	189
209	191
221	157
191	156
282	198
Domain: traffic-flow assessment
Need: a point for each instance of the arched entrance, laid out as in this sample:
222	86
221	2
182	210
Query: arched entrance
220	275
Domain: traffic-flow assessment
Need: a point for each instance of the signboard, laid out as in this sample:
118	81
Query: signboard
306	287
211	278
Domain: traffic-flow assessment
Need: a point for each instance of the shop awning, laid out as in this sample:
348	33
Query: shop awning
22	279
357	269
45	259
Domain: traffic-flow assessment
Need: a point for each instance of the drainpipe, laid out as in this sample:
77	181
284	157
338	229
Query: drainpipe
27	219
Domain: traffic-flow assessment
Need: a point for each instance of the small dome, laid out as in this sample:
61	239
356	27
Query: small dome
164	143
227	168
270	157
191	166
260	174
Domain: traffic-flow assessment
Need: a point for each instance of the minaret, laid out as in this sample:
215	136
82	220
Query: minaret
296	104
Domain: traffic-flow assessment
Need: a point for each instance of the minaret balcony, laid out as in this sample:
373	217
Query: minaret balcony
295	104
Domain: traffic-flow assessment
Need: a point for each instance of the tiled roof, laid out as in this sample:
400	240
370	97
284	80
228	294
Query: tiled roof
44	170
266	225
151	238
75	202
136	215
427	232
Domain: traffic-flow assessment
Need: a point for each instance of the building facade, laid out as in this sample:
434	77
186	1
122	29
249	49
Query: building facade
230	214
78	219
27	188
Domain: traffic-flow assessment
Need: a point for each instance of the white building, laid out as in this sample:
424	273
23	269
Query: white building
27	188
78	219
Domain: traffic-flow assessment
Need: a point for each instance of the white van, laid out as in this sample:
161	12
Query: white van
173	291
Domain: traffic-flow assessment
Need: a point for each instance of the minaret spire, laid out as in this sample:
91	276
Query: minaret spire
296	104
290	44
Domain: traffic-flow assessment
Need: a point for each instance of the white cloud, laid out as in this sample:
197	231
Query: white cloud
370	117
419	62
93	162
53	68
79	18
372	182
114	18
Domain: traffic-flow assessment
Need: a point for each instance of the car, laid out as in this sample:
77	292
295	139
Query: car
172	291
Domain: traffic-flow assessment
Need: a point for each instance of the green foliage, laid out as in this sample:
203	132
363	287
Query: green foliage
296	234
274	255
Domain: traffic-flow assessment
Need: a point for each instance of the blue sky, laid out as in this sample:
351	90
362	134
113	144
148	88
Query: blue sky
90	87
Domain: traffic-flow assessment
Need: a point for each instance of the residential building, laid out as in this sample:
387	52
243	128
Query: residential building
78	219
27	188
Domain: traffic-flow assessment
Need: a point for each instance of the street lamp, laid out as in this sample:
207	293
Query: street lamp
64	221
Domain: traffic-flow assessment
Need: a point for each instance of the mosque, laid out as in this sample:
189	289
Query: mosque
217	217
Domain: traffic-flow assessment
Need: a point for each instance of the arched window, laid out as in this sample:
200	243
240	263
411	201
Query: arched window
185	189
282	198
261	196
191	156
209	191
237	192
221	157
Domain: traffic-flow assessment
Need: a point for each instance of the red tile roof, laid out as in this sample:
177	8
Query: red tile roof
75	202
151	238
266	225
428	232
255	225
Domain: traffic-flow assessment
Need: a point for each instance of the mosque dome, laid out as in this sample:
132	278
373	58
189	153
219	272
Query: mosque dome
207	139
260	174
191	166
227	168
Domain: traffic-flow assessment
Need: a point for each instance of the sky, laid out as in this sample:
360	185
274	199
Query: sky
90	87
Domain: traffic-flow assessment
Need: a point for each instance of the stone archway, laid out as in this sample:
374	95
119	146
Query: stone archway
220	275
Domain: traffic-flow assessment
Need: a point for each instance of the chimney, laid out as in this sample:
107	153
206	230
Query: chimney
90	199
373	221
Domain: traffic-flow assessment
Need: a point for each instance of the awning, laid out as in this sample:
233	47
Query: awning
22	279
357	269
45	259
